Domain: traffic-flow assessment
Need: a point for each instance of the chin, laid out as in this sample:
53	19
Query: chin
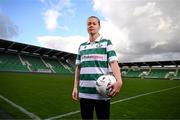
92	33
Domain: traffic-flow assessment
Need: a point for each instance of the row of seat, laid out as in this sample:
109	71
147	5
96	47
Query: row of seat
26	63
173	73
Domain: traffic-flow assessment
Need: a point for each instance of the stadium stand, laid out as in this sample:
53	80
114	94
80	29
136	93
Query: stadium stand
35	63
11	62
154	69
21	57
177	74
159	73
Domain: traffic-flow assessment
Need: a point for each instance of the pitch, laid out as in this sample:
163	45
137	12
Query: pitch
48	96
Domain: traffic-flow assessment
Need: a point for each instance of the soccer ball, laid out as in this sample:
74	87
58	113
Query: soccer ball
102	84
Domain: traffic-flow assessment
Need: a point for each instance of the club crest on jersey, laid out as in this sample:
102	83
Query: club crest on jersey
98	45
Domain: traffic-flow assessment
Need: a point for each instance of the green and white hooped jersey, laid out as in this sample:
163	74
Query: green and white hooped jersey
94	59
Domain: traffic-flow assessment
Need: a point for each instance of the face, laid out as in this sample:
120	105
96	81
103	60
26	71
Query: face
93	26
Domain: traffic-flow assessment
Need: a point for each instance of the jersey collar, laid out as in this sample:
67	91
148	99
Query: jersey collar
97	40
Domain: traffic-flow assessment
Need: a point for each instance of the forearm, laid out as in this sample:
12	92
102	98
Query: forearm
77	77
116	71
117	74
76	84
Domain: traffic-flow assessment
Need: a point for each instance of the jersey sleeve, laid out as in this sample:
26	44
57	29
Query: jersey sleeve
111	54
78	57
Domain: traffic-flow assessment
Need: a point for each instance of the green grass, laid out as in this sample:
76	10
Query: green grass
49	95
162	105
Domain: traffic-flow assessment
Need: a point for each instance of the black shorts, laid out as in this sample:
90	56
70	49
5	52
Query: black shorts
102	108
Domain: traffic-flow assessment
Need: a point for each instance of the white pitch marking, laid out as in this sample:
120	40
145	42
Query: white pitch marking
133	97
63	115
31	115
118	101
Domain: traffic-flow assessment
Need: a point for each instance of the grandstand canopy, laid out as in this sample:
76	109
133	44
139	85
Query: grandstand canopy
11	46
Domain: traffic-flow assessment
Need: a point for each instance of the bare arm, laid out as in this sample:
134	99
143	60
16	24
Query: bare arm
116	71
76	83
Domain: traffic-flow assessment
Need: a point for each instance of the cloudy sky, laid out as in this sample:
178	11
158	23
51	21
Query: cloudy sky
141	30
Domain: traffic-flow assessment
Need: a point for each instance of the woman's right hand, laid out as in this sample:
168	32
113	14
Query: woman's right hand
75	94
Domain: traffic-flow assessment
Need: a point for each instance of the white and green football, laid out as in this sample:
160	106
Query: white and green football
102	84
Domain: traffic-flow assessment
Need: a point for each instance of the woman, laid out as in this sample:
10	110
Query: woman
93	60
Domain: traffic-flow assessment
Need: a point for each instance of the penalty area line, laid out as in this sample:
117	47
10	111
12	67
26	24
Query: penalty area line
31	115
118	101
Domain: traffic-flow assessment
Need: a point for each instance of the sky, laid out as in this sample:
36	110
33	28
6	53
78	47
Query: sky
140	30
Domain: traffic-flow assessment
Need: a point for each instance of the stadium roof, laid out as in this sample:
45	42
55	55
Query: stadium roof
11	46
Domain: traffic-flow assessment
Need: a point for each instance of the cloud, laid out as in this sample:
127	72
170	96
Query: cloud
118	36
71	43
68	44
50	17
53	11
7	28
148	30
140	30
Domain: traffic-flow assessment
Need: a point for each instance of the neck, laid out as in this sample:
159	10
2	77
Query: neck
93	37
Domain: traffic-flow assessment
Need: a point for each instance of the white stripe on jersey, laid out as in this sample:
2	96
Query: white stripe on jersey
94	70
92	96
87	83
110	48
113	58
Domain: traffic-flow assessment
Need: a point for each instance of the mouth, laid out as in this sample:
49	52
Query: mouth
91	29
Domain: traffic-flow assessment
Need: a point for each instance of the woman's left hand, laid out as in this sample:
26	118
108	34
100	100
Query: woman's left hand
115	88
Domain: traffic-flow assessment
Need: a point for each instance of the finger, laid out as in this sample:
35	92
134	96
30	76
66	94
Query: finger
112	93
109	86
74	96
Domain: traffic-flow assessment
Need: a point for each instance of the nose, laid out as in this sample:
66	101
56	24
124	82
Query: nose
90	25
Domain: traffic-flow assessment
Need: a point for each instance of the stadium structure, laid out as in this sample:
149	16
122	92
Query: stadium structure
153	69
19	57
